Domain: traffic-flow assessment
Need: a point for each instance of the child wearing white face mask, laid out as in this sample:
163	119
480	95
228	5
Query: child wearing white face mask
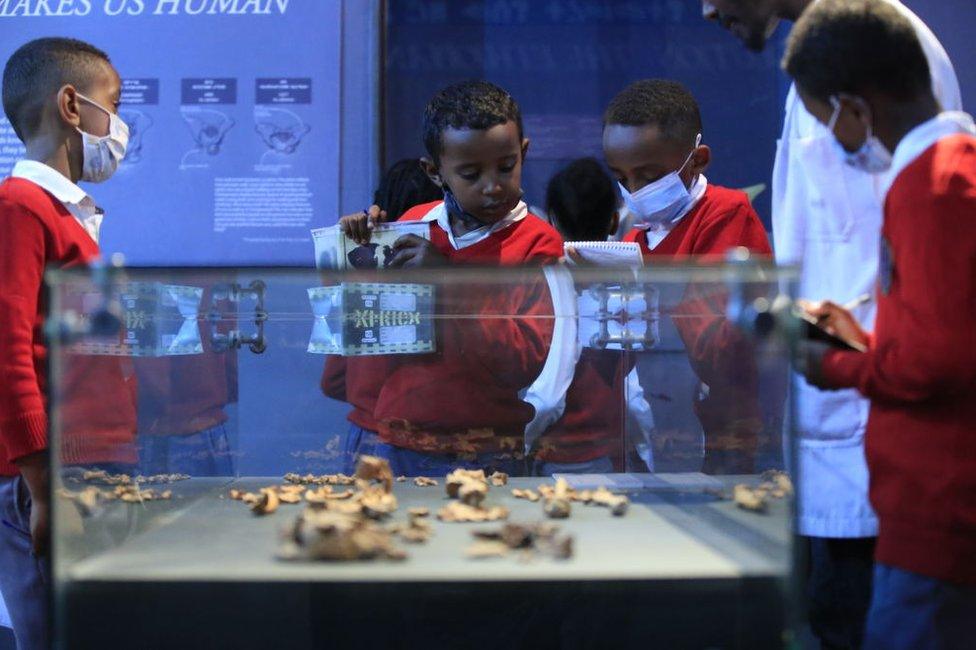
652	142
46	219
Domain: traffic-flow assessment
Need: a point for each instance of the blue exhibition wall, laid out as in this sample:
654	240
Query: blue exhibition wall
563	60
234	111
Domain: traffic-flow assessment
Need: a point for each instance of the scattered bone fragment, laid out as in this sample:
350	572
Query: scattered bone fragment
748	498
526	539
319	534
376	503
266	503
374	468
557	508
557	505
459	477
498	479
457	512
325	479
618	503
529	495
289	497
419	512
401	479
424	481
487	548
472	493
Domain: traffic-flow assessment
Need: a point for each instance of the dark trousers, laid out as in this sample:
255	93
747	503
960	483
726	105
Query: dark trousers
24	579
838	589
914	612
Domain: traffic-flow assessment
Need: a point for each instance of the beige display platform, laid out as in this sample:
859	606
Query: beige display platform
673	530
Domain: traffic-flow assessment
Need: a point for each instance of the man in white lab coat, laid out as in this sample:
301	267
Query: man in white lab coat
827	216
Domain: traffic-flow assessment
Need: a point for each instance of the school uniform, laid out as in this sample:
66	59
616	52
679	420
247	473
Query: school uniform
827	217
920	375
46	220
460	406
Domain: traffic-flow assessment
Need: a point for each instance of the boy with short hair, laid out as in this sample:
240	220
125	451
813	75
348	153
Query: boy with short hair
461	406
652	142
61	96
860	69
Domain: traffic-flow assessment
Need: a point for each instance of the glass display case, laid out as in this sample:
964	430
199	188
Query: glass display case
267	457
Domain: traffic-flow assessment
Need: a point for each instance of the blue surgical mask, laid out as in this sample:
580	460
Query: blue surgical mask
661	202
873	157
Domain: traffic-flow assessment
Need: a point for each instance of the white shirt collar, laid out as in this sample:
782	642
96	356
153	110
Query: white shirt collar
918	140
76	200
439	215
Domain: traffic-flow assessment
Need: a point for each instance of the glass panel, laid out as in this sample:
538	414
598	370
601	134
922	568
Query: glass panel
640	411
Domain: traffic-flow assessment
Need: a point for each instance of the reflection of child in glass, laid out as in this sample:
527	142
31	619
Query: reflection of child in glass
652	142
427	415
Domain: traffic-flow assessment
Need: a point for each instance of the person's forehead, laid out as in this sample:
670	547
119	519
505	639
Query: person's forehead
497	141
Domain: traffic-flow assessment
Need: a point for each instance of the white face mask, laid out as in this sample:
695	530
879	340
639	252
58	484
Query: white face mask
102	154
873	157
660	202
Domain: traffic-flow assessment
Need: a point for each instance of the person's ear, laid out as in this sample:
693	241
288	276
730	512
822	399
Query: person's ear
433	173
69	106
525	148
700	160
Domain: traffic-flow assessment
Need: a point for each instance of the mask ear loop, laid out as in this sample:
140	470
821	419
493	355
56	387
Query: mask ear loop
832	124
698	140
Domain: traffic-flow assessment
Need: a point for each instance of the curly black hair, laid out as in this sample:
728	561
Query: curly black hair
666	104
849	46
403	186
37	70
581	200
467	105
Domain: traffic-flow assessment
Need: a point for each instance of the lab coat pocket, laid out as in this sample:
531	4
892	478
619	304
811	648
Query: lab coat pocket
826	205
829	416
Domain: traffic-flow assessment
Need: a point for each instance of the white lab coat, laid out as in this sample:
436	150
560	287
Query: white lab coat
827	216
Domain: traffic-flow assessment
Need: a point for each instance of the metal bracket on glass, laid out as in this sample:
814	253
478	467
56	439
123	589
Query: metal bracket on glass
626	317
235	339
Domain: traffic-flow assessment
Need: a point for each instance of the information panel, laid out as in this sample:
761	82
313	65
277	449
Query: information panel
233	111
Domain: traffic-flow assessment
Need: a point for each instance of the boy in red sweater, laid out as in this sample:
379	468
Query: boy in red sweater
652	142
859	69
61	97
461	406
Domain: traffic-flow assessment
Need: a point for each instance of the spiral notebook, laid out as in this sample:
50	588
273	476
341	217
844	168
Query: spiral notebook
607	253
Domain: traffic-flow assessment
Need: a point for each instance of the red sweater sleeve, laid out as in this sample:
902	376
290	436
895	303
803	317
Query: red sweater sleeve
23	422
927	347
